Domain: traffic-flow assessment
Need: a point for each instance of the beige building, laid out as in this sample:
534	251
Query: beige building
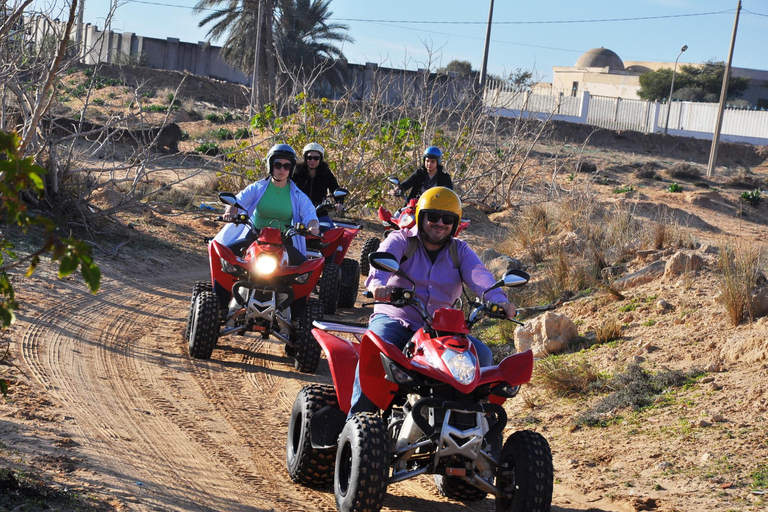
602	72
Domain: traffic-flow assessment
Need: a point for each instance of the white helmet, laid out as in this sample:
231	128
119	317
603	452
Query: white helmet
313	146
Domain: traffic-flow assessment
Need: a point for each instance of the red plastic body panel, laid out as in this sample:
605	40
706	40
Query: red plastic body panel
450	320
384	214
342	358
217	251
270	236
372	376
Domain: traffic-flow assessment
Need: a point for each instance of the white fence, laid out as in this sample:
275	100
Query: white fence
686	118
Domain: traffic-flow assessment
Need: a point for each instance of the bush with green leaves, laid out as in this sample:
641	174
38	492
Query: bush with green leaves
209	148
18	174
222	134
674	188
220	118
753	198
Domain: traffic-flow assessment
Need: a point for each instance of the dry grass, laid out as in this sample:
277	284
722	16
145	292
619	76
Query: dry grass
566	375
609	330
740	267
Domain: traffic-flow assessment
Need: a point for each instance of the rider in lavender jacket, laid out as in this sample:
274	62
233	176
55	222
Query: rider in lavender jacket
438	282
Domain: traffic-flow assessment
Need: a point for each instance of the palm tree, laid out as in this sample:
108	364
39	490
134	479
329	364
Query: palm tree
296	31
304	39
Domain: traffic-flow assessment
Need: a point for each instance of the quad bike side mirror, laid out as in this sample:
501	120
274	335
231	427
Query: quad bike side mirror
511	278
340	193
229	199
384	261
515	278
394	180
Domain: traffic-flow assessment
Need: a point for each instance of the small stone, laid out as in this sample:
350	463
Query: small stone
707	379
717	418
703	424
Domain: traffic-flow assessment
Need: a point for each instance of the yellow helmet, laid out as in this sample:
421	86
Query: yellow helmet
441	200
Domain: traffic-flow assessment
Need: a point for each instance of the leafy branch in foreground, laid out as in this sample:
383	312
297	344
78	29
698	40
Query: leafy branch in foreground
19	176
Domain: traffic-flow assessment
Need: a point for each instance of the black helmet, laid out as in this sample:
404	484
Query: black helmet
280	151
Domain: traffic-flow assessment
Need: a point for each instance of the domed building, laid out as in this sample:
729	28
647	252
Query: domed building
601	72
600	58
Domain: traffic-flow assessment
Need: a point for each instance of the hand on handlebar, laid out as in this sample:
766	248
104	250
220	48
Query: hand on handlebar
509	309
382	293
229	214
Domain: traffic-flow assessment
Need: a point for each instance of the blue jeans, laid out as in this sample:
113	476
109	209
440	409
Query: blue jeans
395	333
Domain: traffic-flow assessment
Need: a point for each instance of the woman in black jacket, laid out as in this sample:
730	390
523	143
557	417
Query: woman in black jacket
429	175
314	178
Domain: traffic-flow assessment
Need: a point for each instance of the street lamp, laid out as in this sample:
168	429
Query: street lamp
672	87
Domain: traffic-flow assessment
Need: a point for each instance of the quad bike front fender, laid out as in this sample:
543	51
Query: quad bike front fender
373	379
515	370
342	358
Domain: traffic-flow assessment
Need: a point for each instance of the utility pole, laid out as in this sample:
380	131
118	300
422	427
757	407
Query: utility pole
484	68
723	94
256	76
79	36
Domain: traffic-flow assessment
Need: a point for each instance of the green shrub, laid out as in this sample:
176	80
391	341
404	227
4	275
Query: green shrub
753	198
222	134
219	118
208	148
624	190
674	188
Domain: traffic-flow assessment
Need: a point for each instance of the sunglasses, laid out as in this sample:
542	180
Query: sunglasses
313	158
282	165
435	217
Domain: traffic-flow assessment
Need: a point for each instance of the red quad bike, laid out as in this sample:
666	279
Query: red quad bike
442	414
340	280
263	285
403	218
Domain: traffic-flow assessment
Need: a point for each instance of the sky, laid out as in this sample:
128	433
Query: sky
532	35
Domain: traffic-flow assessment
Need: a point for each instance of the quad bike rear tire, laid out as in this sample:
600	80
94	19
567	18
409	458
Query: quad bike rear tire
197	289
350	283
204	325
307	355
362	464
525	474
370	245
455	488
329	287
306	465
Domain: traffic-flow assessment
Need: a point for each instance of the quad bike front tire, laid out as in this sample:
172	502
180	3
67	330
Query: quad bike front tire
350	283
370	245
329	287
362	464
306	465
197	289
307	350
525	474
204	325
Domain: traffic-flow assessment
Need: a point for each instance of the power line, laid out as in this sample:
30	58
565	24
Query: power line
426	22
605	20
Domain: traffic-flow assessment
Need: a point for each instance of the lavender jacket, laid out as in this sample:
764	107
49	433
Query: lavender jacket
438	285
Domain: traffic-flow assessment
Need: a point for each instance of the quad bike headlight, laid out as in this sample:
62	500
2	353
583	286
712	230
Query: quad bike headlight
461	364
405	219
266	263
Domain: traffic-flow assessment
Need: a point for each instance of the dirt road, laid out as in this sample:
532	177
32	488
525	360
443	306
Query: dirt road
143	422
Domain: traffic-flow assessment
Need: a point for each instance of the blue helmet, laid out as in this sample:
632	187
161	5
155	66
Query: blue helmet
280	151
433	152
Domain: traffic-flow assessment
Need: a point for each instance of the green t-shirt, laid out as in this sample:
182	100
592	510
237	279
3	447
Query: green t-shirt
275	204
